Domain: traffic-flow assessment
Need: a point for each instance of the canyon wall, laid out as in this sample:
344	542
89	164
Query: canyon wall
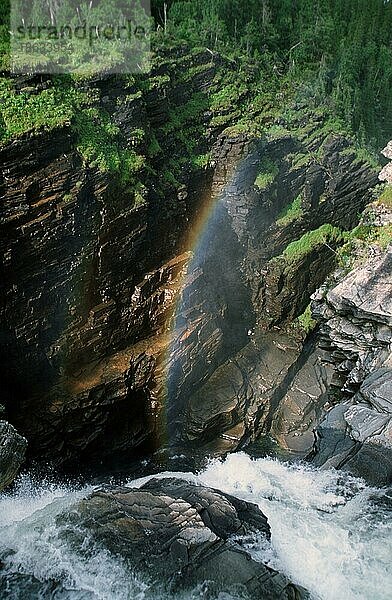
92	273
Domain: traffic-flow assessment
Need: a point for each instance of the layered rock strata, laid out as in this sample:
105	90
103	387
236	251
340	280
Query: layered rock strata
356	328
215	392
90	275
180	533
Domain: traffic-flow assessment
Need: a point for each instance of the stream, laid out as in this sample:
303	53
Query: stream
331	533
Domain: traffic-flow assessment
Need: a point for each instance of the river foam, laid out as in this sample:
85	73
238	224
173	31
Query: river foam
330	533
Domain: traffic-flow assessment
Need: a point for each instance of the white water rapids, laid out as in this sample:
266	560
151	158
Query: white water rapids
330	533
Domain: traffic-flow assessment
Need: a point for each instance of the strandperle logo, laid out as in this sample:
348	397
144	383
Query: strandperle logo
80	36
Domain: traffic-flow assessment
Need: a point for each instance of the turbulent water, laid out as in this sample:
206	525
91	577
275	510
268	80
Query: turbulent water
330	533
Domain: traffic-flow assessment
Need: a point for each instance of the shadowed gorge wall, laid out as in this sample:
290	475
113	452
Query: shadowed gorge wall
92	265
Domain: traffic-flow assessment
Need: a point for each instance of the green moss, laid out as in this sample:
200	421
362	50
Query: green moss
191	111
225	120
367	156
98	143
290	213
159	81
192	72
268	170
383	236
140	192
227	97
324	235
171	174
277	132
154	147
202	160
360	239
301	160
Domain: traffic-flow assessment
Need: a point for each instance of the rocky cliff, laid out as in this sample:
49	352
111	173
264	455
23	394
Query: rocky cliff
355	312
286	230
93	268
90	268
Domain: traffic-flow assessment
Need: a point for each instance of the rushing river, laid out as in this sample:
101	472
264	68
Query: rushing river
330	533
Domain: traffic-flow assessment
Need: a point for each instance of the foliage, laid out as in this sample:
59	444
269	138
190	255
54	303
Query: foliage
306	321
290	213
386	197
97	142
202	160
360	239
21	112
339	52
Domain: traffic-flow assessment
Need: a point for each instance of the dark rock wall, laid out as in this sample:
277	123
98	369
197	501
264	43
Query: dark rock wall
225	385
12	453
355	312
87	274
90	277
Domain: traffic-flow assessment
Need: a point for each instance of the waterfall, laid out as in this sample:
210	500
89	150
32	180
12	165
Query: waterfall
330	533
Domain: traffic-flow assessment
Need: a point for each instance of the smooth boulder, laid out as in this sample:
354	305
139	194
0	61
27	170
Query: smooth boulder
181	534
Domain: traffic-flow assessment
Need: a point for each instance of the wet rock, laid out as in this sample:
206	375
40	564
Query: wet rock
180	533
12	451
358	440
236	403
304	403
376	390
333	446
356	328
92	273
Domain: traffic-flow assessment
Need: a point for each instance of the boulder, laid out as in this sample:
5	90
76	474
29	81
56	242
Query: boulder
179	533
12	452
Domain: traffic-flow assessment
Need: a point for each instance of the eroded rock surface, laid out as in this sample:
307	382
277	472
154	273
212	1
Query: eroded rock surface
92	271
12	453
356	318
249	285
180	533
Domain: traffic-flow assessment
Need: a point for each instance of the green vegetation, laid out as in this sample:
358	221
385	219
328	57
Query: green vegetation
290	213
306	322
97	142
268	172
360	239
386	197
21	112
337	54
279	60
202	160
325	235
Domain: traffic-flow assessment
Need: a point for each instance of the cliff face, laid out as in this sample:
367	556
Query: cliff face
89	273
222	398
92	270
355	313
